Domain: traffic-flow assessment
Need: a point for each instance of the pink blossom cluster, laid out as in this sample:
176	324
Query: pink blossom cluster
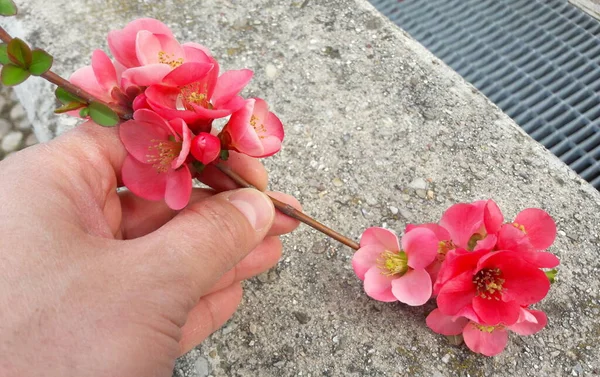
485	273
175	91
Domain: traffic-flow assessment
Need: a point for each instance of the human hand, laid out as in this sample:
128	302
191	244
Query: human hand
99	283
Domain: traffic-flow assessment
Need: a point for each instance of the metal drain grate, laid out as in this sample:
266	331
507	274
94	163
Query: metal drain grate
537	60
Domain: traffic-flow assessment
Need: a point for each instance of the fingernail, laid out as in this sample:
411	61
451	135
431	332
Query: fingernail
255	205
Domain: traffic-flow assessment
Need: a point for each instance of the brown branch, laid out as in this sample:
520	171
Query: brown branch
55	79
291	211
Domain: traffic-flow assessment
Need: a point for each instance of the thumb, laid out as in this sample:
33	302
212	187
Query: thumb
210	237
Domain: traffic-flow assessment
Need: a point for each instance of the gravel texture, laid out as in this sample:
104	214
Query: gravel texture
379	132
15	129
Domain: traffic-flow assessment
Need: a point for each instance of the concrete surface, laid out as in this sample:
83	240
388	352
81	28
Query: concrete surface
591	7
379	132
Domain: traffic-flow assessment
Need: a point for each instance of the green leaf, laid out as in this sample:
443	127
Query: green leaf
19	53
41	61
4	54
198	166
224	155
551	275
66	97
103	115
84	112
7	8
69	107
12	75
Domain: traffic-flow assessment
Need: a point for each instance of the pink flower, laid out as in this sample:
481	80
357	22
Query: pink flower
155	168
253	130
485	339
147	51
537	230
494	284
198	99
122	43
100	79
390	273
205	147
472	225
160	55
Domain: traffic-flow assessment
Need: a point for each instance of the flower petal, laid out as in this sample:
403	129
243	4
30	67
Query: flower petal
456	294
413	288
462	220
539	226
365	258
122	42
178	188
487	243
104	70
441	233
457	261
380	236
421	247
495	312
138	137
488	343
187	73
143	180
186	139
378	286
196	53
152	48
530	322
512	238
492	217
446	324
541	259
146	75
85	78
229	84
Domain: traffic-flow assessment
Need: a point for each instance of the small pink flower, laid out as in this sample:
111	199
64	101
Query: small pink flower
514	239
205	147
485	339
122	43
537	226
160	55
198	99
155	167
147	51
393	274
100	78
472	226
253	130
494	284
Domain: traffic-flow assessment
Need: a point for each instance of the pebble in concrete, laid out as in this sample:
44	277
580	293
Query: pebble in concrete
31	140
4	127
12	141
17	112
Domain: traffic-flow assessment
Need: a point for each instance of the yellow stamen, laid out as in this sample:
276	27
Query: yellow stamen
258	128
488	283
486	328
393	263
162	153
520	227
169	59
